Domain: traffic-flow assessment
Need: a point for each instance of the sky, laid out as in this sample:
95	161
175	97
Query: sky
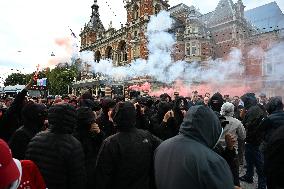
31	30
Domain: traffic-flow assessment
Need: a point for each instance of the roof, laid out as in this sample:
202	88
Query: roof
266	18
224	10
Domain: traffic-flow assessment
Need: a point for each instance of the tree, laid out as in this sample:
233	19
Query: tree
60	78
15	79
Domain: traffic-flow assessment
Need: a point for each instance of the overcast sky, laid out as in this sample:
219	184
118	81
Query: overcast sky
30	30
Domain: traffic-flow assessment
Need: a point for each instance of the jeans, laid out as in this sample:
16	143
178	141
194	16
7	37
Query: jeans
254	158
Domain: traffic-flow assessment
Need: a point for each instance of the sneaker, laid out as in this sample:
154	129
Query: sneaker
246	179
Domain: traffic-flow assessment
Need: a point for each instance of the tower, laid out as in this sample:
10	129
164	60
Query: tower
138	15
93	30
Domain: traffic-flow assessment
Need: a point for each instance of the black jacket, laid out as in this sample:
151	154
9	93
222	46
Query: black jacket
106	125
33	116
253	117
20	140
164	130
274	160
11	119
125	161
270	125
91	143
187	161
58	155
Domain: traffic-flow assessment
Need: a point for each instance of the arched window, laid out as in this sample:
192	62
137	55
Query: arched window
97	56
135	12
122	52
109	53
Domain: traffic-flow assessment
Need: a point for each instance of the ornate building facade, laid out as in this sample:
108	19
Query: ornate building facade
198	36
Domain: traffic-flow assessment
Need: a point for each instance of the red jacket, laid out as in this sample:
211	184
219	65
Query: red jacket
31	177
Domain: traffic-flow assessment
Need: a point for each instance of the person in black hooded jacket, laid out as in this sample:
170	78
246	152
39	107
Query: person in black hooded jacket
163	123
125	159
274	160
33	116
11	120
187	160
275	119
58	155
254	157
104	121
91	138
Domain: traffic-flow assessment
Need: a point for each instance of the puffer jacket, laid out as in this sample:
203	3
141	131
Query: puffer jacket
33	116
58	155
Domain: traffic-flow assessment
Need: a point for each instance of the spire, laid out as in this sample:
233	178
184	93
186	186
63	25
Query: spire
95	21
240	8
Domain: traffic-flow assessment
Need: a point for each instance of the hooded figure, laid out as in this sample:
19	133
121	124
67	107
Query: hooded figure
33	116
91	138
125	159
161	128
58	155
104	122
216	102
254	158
187	160
275	120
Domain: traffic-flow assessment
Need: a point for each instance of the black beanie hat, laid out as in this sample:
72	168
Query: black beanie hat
34	113
124	116
85	117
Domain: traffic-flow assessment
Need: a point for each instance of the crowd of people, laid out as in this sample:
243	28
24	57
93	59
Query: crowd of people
145	142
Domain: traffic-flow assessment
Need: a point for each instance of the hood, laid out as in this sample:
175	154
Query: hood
249	100
163	97
274	104
216	102
124	116
163	108
107	103
85	118
34	115
62	118
93	105
202	124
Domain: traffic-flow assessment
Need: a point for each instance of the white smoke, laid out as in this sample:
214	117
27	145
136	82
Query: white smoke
275	56
160	65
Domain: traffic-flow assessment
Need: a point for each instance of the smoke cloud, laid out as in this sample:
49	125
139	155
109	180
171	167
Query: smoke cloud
223	75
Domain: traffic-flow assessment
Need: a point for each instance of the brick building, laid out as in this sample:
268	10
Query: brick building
198	36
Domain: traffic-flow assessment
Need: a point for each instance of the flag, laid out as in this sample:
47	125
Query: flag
73	34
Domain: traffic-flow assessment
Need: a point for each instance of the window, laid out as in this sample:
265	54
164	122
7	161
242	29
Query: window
135	12
269	63
191	30
268	68
192	48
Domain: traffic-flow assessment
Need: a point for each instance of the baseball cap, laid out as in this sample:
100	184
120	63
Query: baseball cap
9	171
